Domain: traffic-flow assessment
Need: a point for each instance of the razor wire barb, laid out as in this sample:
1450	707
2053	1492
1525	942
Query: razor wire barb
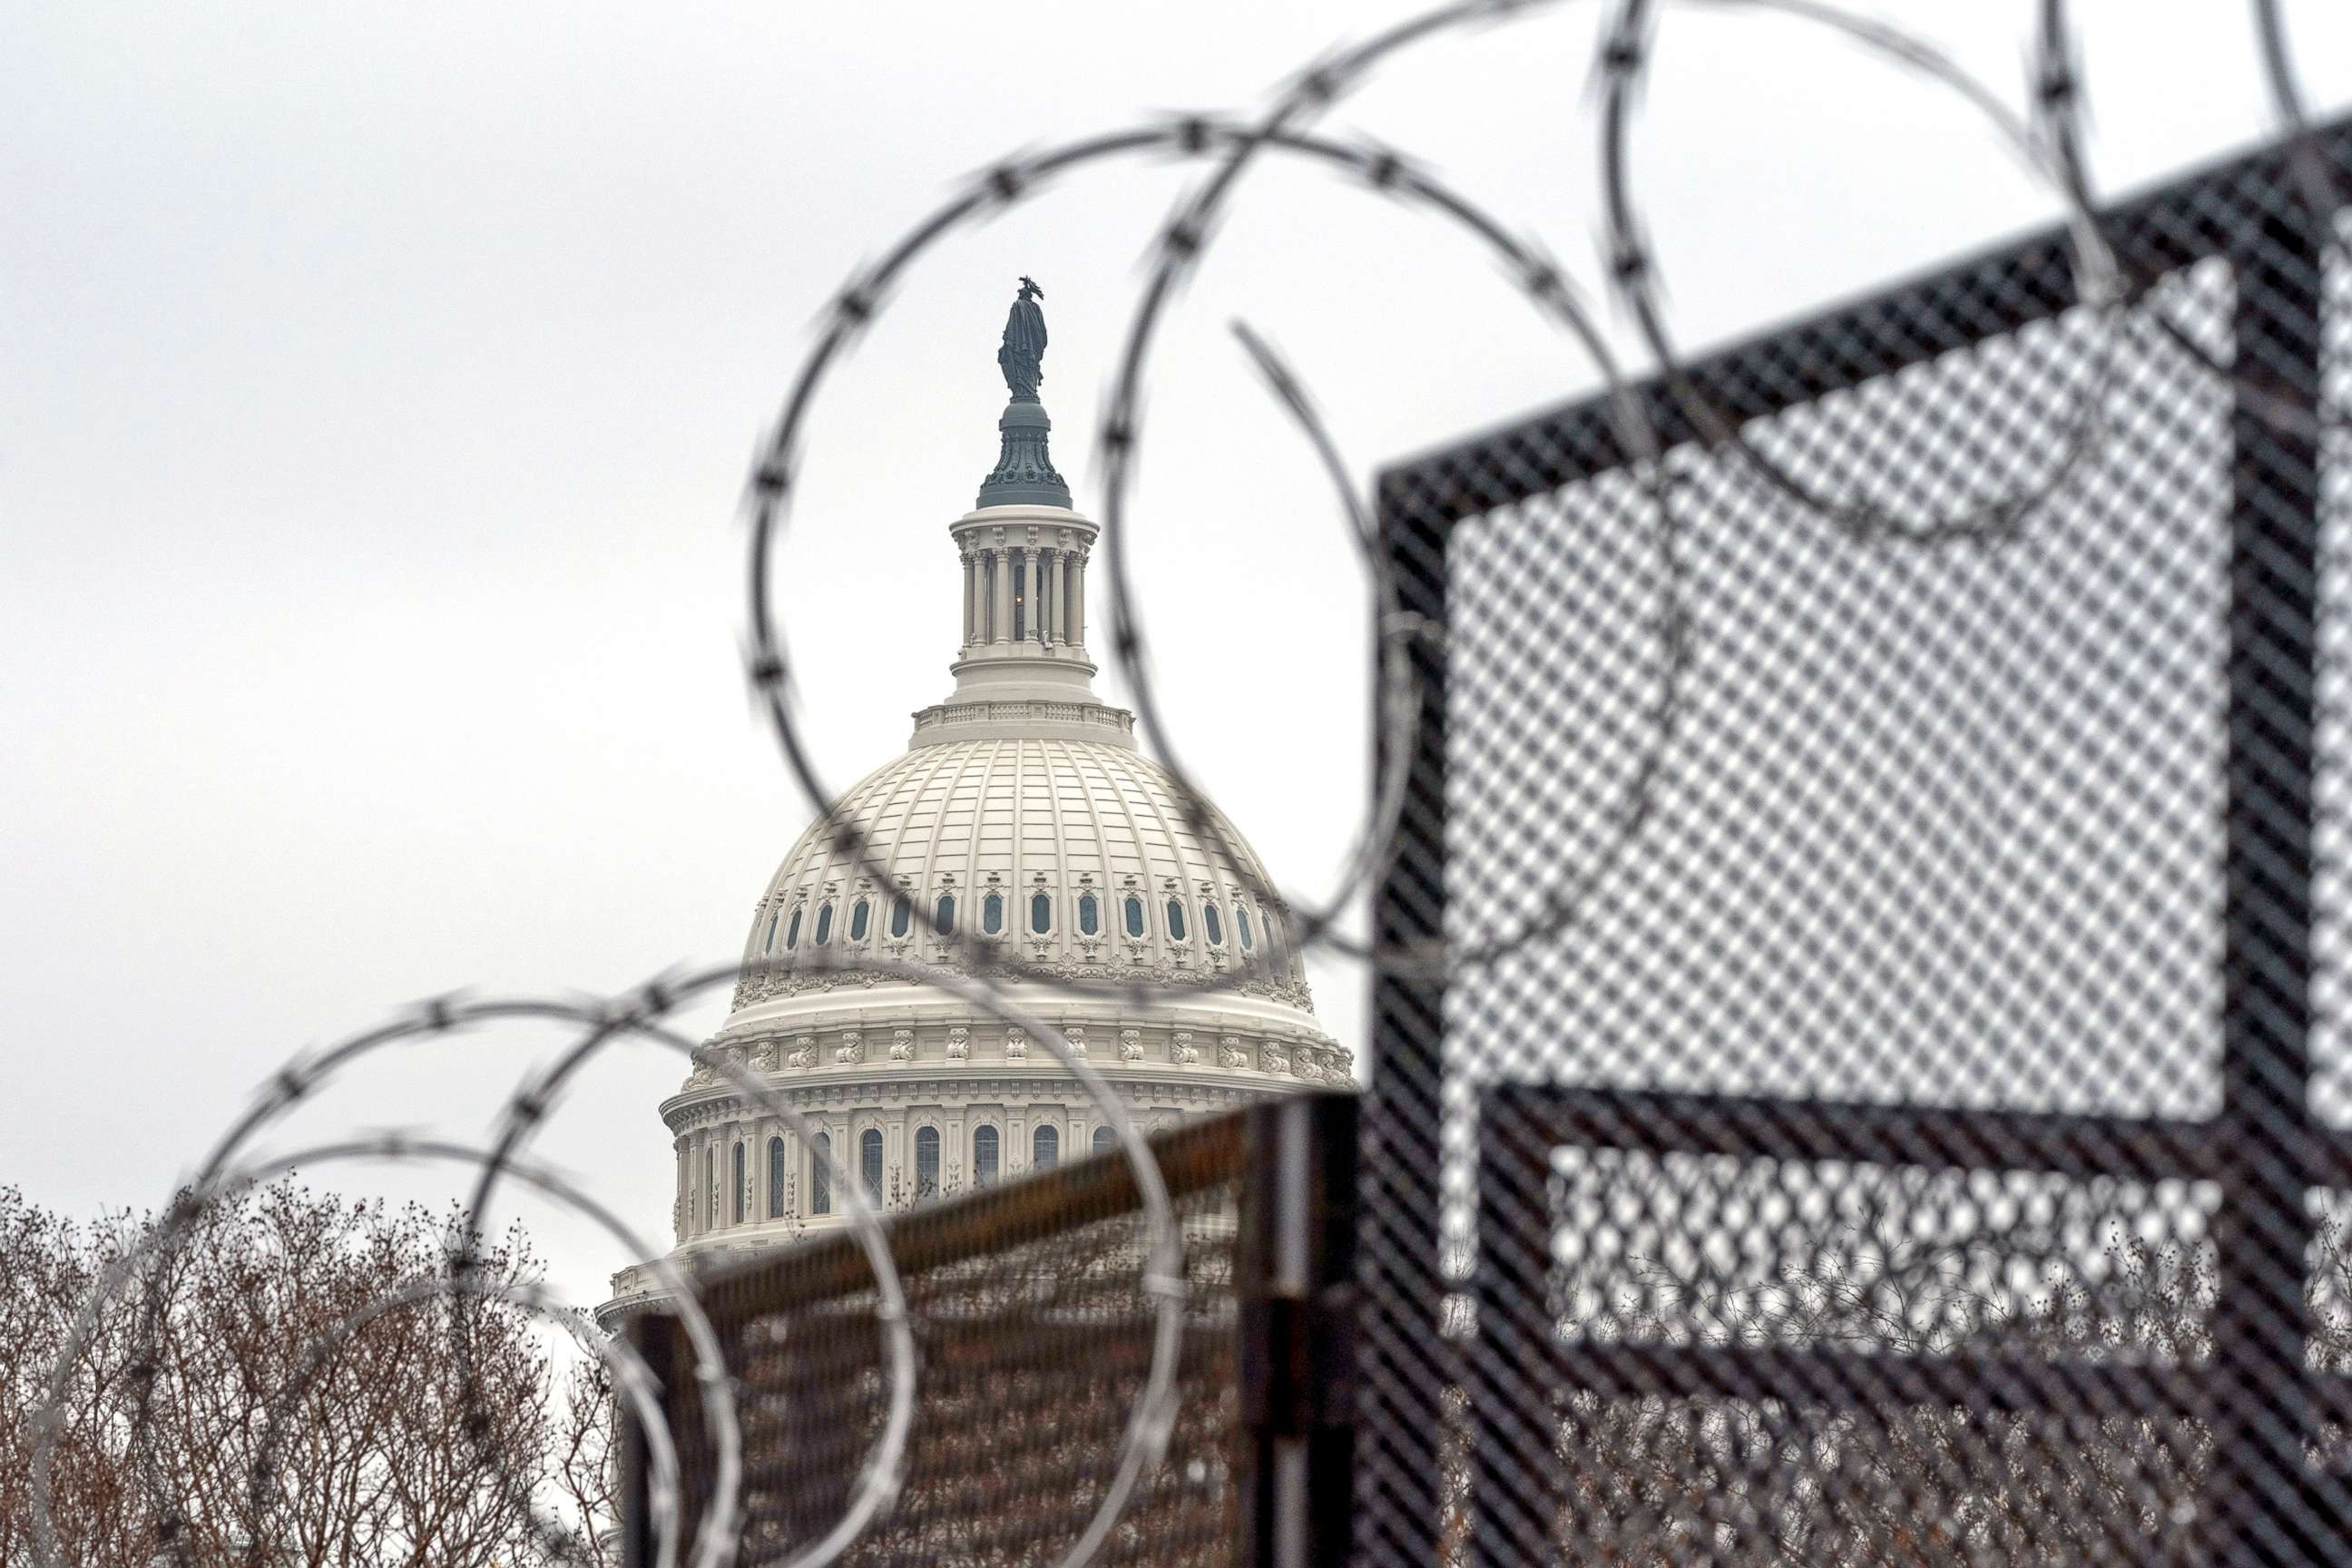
2045	140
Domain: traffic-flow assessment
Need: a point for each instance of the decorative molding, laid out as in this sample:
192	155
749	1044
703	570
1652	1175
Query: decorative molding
772	981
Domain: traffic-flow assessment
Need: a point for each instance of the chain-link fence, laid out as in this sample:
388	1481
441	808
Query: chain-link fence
1883	1102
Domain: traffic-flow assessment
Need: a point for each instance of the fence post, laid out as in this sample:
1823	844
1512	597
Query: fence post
1293	1285
653	1333
2270	1506
1399	1493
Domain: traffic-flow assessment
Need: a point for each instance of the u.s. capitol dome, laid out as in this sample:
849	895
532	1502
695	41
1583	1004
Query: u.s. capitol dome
1022	833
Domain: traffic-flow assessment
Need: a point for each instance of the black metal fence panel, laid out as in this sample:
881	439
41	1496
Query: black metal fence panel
1034	1327
1868	1098
1035	1338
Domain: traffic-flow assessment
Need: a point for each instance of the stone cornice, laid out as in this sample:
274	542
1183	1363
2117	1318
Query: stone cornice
851	1093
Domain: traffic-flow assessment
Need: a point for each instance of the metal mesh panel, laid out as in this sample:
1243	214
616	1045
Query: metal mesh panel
1874	1109
1034	1336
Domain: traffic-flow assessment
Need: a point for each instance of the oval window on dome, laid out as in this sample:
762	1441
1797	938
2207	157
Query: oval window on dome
991	913
1241	923
1041	913
792	931
1134	916
1213	925
902	914
770	945
860	917
943	915
1176	920
824	925
1090	915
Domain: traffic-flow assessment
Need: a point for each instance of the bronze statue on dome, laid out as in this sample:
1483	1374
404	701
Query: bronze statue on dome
1023	356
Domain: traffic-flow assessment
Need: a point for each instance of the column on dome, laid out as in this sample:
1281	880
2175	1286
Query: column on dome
1068	627
701	1168
1048	563
1000	623
970	602
1078	633
1031	575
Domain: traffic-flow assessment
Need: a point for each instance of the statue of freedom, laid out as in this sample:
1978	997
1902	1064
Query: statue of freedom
1022	358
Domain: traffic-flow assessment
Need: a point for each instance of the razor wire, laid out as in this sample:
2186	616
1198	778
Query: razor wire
2045	140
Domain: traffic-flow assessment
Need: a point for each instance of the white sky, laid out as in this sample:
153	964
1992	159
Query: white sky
376	387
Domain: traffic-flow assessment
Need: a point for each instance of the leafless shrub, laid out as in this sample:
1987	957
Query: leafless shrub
380	1457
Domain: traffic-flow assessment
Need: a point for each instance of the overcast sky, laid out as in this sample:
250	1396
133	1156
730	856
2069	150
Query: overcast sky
377	385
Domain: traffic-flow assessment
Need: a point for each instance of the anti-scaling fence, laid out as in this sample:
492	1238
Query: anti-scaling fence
1034	1334
1883	1099
1858	1072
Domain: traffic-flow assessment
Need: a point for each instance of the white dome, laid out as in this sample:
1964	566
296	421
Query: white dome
1021	799
1018	818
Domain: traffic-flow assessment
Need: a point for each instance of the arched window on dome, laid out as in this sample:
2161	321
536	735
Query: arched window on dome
927	1162
861	918
869	1163
821	1174
775	1178
1213	925
1102	1140
792	931
984	1155
823	924
943	915
1090	915
1176	920
1045	1148
1041	913
770	945
902	915
740	1203
1241	924
1134	916
991	913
